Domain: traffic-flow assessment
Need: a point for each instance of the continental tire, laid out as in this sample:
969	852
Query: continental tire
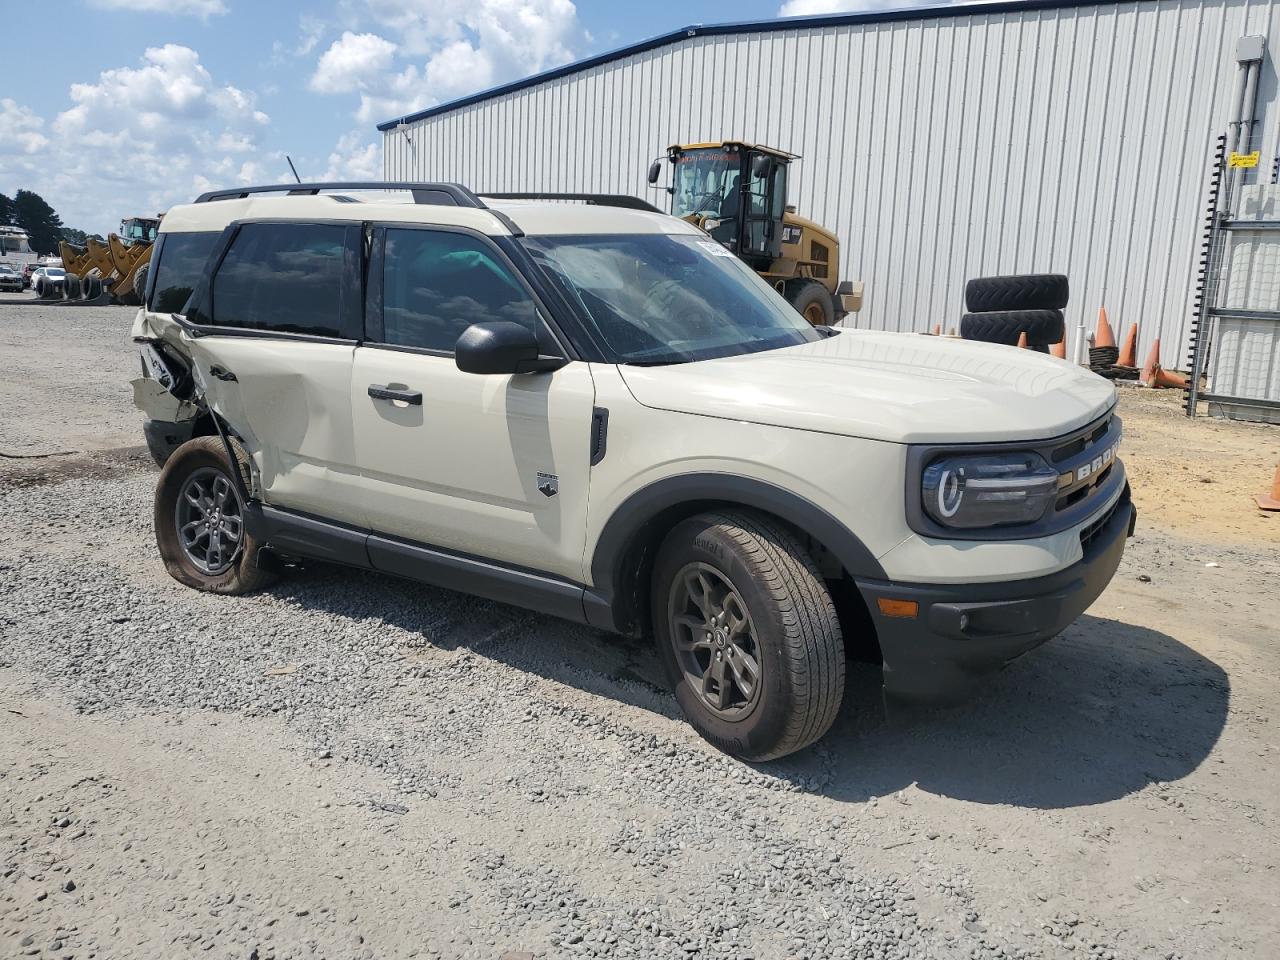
1042	327
196	504
812	301
1028	291
747	633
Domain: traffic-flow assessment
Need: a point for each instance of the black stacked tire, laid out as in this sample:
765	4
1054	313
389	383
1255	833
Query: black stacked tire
1028	291
1042	327
1002	309
795	635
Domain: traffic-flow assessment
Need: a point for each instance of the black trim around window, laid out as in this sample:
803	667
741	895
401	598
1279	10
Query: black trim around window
201	315
551	338
562	331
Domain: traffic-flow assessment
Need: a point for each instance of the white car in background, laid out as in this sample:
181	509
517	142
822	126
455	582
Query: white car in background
48	281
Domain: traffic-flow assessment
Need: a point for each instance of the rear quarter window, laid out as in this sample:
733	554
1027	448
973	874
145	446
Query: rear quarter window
183	258
283	277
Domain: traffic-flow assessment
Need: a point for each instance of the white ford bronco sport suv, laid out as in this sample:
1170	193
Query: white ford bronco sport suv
595	411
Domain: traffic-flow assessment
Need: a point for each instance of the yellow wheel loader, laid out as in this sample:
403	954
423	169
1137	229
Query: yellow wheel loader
737	193
114	271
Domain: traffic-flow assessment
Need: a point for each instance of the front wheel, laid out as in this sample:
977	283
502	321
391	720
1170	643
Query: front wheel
199	521
748	634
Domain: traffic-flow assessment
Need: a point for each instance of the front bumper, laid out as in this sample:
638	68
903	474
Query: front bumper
965	632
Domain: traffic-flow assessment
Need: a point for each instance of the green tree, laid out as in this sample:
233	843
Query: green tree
41	221
7	213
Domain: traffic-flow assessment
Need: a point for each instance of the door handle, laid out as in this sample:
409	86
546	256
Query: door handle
386	393
222	373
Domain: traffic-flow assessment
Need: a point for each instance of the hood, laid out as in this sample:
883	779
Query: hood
898	387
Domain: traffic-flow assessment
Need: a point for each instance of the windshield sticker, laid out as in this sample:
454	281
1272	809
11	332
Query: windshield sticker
714	248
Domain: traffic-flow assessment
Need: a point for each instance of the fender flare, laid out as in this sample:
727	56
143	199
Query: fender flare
610	604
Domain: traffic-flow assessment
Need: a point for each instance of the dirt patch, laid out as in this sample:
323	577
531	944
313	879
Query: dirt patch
1198	477
41	471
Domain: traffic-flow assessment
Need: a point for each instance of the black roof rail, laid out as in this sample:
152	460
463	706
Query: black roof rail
596	199
438	194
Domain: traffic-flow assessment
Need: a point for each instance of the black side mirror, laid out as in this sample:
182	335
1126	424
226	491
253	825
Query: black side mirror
655	171
501	346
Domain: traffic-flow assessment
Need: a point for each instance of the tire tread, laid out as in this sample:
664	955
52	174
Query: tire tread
812	641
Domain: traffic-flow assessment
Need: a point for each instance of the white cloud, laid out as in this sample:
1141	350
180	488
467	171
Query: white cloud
354	159
20	129
444	49
805	8
351	62
312	30
136	140
197	8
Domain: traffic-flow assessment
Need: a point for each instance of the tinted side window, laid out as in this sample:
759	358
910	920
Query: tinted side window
436	284
183	257
285	277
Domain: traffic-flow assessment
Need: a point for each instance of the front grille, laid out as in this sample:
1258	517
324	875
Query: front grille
1090	533
1085	462
821	255
1091	435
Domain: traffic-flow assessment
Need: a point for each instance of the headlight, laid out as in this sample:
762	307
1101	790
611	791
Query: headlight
989	490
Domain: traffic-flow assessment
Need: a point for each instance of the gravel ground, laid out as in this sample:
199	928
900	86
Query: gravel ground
354	766
81	355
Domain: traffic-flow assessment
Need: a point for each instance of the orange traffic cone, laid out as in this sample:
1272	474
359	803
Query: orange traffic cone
1059	349
1271	501
1129	352
1152	364
1105	337
1163	378
937	329
1022	340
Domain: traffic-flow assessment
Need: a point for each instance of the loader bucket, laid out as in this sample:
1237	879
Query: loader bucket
75	260
126	260
99	258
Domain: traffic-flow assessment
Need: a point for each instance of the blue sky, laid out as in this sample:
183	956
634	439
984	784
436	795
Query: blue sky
123	107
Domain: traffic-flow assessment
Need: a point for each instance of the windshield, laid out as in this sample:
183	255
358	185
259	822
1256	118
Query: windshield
54	272
704	180
138	230
657	298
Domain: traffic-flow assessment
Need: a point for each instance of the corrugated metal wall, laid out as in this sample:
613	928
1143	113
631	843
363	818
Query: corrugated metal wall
1073	140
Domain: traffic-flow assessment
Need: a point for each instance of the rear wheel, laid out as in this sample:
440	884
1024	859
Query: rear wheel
748	634
812	301
199	521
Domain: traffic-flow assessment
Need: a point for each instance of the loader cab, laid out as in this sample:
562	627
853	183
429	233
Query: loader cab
736	192
138	230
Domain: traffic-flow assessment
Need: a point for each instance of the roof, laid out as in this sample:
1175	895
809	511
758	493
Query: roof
780	24
745	145
536	218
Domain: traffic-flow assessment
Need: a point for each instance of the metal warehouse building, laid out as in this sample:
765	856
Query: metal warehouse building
939	143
